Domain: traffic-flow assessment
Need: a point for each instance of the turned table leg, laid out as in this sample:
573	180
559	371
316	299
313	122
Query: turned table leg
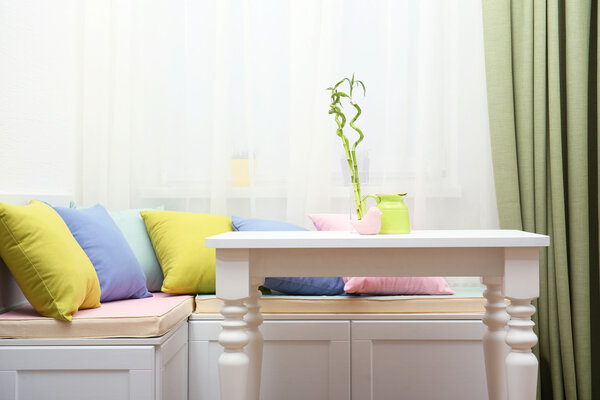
521	364
254	349
233	362
232	286
494	341
521	286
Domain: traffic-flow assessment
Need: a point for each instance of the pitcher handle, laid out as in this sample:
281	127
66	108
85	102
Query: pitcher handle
377	199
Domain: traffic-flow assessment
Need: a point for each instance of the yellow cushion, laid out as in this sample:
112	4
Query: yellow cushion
48	264
178	241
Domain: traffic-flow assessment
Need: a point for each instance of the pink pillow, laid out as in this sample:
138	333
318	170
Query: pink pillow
331	222
397	285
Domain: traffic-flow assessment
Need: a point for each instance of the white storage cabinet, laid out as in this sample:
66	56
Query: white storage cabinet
116	369
346	358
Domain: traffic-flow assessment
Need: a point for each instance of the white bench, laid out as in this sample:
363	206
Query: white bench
312	345
311	350
129	349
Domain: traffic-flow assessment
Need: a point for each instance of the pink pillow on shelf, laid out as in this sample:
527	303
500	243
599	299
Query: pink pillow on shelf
331	222
397	285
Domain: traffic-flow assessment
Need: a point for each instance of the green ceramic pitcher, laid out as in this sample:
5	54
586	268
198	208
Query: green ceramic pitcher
395	213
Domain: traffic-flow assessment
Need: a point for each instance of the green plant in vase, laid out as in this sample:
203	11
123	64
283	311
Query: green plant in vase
340	119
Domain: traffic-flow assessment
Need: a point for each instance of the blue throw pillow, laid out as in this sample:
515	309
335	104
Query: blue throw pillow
132	226
308	286
118	270
302	286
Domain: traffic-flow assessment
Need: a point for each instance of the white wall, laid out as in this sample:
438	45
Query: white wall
40	53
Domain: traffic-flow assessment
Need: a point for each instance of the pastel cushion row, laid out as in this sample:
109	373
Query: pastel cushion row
300	286
178	241
132	226
147	317
50	267
379	285
119	272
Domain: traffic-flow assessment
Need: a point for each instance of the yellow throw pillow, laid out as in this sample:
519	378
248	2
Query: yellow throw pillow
178	241
48	264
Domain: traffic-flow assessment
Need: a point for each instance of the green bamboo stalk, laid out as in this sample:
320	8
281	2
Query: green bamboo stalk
361	136
340	119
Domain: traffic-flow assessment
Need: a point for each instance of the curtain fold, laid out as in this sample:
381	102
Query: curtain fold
541	59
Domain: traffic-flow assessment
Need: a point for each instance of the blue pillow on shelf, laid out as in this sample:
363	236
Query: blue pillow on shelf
119	272
309	286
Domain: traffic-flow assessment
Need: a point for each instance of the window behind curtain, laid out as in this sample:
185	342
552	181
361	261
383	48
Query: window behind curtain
187	85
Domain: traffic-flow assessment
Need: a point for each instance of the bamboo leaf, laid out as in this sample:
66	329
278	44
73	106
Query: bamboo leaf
342	81
363	86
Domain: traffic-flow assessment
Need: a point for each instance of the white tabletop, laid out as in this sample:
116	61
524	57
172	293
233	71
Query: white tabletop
342	239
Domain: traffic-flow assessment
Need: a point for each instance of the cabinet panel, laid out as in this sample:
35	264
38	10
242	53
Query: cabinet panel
77	372
418	360
172	367
301	360
58	384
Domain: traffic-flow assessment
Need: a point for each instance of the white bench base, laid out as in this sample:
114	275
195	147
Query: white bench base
332	357
74	369
355	357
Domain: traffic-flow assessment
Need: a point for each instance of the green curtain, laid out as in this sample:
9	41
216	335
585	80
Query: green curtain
541	67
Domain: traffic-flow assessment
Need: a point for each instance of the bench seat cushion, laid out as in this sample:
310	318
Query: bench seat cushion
465	301
146	317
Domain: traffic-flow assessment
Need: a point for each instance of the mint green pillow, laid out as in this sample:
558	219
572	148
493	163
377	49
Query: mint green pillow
132	226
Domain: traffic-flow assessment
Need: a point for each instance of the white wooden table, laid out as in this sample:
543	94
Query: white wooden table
507	262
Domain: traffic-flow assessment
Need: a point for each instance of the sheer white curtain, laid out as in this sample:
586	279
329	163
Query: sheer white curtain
173	90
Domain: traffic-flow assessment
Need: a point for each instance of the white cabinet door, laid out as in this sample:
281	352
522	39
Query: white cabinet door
77	372
418	360
301	360
172	366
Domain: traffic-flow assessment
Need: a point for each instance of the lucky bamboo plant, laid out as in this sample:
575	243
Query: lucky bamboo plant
340	119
